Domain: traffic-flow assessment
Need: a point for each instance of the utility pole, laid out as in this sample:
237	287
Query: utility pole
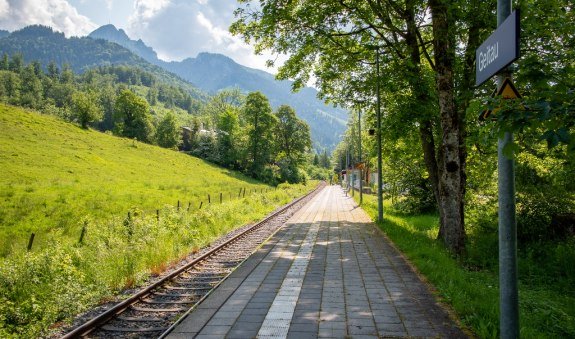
508	292
378	133
360	169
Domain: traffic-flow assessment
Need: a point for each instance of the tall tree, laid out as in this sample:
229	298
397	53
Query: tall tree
260	121
228	138
292	143
32	90
16	63
4	62
53	71
86	108
10	85
168	133
292	133
132	117
452	178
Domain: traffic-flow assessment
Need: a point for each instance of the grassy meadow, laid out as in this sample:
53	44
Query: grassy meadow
547	308
54	174
57	178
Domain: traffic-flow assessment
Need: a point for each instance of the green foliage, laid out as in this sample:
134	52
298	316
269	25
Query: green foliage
85	108
132	117
31	88
535	209
260	121
229	138
318	173
42	288
323	160
10	87
292	143
168	134
417	197
544	77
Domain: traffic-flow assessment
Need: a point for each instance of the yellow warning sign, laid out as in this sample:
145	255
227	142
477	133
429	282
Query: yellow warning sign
507	91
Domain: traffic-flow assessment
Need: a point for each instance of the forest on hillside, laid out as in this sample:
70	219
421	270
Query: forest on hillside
234	130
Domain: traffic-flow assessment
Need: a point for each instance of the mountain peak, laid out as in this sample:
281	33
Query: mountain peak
208	55
111	33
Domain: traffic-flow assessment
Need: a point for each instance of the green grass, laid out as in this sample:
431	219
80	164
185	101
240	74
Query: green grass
545	310
54	174
56	178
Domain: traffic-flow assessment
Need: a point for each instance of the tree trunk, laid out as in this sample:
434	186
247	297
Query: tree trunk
422	97
451	169
428	146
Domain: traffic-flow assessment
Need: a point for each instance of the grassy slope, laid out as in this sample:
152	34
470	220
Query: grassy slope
545	312
54	174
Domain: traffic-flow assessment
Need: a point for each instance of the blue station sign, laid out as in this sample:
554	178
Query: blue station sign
499	50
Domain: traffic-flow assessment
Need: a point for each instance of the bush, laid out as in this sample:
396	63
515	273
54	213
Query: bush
39	289
418	198
536	207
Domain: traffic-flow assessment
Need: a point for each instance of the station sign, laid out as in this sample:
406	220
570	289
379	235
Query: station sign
499	50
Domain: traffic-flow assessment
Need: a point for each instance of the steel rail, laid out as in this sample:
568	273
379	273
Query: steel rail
109	314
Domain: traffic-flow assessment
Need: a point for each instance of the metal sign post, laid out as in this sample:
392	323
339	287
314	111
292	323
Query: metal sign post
493	56
508	290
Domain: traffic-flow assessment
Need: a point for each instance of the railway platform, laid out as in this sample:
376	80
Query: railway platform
328	273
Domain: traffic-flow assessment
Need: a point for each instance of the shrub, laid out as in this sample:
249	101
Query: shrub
535	210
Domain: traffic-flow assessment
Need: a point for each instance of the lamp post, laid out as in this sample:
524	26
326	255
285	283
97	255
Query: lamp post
347	174
378	134
360	169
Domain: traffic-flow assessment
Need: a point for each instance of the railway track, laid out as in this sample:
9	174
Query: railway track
152	311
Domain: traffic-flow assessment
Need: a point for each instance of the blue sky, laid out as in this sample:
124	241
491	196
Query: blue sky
176	29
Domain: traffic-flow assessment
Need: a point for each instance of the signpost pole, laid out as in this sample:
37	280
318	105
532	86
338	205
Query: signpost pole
508	293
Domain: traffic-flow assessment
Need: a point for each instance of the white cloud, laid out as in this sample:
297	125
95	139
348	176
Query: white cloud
178	29
146	9
58	14
4	8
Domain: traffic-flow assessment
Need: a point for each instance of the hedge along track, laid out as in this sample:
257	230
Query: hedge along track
153	310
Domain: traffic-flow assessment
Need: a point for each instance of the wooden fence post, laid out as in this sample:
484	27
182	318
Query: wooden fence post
83	233
31	241
221	198
201	203
209	200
